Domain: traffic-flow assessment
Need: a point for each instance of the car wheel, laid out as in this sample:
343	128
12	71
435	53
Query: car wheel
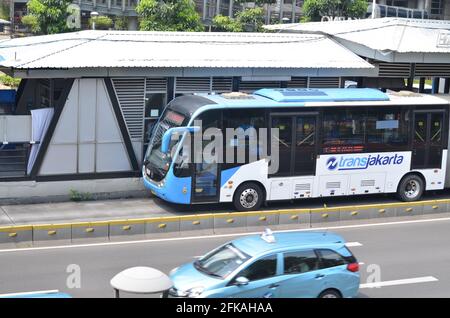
411	188
330	293
248	197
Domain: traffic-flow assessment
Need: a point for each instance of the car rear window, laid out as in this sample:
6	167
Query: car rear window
330	258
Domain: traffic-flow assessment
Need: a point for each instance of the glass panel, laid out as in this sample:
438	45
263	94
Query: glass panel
305	147
263	268
329	258
284	125
206	172
154	103
300	262
435	152
343	131
250	121
420	140
222	262
387	129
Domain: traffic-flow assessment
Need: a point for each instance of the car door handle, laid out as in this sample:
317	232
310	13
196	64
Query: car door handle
273	286
319	276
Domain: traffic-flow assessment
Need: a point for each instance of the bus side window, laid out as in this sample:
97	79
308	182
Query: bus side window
387	129
248	121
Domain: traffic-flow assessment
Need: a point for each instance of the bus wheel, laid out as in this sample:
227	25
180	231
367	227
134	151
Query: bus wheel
248	197
411	188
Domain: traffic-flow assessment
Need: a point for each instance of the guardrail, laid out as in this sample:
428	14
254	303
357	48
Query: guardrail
207	224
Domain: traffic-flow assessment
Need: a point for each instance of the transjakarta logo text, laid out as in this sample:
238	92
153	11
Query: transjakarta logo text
354	163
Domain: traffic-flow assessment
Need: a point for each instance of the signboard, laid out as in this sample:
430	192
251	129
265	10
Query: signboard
443	39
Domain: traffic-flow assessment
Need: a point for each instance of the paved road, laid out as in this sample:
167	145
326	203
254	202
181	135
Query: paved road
153	207
406	250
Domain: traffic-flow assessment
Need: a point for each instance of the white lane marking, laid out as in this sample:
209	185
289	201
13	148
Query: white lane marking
219	236
40	292
417	280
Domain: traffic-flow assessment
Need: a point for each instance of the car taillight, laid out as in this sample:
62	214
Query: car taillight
353	267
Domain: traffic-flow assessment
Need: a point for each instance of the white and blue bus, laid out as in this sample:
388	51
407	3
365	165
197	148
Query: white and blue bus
332	142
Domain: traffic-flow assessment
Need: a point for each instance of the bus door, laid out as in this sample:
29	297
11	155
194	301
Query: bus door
297	143
206	178
428	140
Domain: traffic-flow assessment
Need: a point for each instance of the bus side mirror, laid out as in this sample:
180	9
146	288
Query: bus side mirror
168	136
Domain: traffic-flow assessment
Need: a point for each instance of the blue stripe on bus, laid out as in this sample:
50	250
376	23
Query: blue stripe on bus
227	174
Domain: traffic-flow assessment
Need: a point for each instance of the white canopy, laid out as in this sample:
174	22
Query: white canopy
141	280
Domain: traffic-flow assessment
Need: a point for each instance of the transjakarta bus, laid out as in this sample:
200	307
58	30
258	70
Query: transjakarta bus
332	142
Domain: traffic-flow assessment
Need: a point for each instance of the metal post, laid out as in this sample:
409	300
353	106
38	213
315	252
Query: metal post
435	86
447	85
374	2
116	293
11	16
230	9
421	84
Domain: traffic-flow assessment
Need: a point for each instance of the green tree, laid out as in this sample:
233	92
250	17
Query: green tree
31	22
51	15
4	10
313	10
121	23
250	20
168	15
226	24
102	22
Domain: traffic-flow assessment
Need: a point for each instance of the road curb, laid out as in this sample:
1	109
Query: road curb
208	224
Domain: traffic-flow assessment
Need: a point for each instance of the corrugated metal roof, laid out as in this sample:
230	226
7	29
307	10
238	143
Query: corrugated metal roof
385	34
126	49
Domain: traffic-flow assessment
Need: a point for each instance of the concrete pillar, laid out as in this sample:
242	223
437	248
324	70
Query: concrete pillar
294	3
124	4
132	23
427	6
109	4
217	7
205	2
230	9
281	10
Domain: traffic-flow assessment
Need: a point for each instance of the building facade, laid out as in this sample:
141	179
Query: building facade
280	11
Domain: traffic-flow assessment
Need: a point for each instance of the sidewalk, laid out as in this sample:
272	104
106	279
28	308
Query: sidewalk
64	212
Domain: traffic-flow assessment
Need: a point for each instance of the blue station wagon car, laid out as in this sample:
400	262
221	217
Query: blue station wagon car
286	265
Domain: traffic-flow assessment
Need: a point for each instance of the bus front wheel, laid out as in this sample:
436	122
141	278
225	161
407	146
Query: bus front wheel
410	188
248	197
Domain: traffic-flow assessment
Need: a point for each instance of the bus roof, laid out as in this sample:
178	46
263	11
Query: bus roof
322	95
286	97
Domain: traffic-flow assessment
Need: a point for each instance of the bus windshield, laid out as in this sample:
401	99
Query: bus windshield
156	162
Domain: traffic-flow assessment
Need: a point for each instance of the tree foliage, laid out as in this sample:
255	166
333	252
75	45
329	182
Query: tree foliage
4	10
250	20
102	22
48	16
168	15
313	10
